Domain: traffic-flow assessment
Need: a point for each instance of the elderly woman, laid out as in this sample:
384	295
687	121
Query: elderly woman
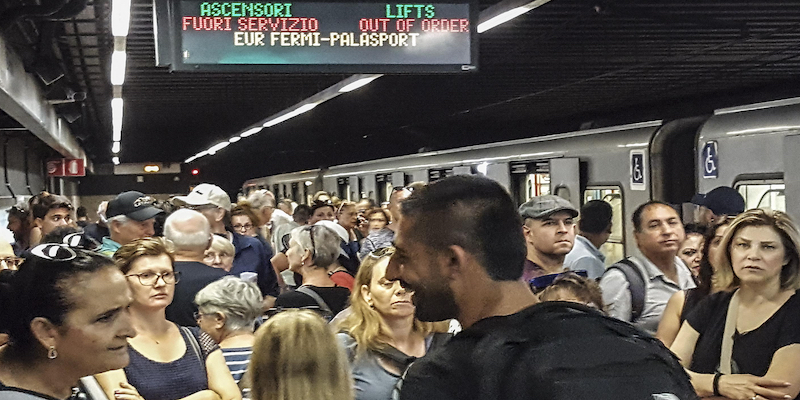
381	335
227	311
295	357
745	343
65	313
167	362
683	302
220	254
312	250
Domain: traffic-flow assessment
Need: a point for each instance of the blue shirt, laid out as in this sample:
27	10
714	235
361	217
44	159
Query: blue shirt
109	247
252	256
584	256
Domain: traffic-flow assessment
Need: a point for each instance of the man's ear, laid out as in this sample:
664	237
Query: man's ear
220	214
37	222
457	260
44	331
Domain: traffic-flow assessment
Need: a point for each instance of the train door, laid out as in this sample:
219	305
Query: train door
343	185
614	248
565	179
296	193
530	179
383	187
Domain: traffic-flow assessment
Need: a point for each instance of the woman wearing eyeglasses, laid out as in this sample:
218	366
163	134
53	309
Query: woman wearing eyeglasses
65	311
381	335
312	249
167	362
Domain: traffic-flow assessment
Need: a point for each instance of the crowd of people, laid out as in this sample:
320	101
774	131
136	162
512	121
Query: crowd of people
449	292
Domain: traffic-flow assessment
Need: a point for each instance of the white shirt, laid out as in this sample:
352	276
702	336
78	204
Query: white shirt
584	256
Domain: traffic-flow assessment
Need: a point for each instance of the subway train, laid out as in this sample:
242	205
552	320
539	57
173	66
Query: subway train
753	148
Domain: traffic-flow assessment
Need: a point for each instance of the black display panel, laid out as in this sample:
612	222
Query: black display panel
357	37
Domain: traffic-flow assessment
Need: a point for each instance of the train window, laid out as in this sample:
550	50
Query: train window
614	248
383	184
343	185
766	194
530	179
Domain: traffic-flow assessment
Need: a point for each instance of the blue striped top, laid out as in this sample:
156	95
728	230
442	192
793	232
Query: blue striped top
237	359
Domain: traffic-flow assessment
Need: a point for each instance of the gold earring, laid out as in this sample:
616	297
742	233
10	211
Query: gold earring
52	353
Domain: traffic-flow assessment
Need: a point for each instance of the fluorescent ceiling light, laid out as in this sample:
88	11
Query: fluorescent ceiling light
190	159
502	18
120	17
217	147
291	114
358	83
118	68
116	118
115	160
252	131
234	139
115	148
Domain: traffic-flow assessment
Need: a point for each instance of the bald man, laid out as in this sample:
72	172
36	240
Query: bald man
8	260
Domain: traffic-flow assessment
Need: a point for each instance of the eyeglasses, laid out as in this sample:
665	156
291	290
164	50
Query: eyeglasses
382	252
197	315
12	262
150	278
310	230
245	227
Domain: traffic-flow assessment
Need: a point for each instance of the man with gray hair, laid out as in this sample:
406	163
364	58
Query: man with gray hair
131	216
269	217
190	232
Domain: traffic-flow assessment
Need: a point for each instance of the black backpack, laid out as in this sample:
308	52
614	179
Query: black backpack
569	351
636	285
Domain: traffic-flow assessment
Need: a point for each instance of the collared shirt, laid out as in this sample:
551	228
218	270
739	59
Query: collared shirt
253	256
585	257
658	290
109	247
376	240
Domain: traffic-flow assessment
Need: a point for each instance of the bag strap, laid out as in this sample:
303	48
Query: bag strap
636	285
187	333
726	353
314	295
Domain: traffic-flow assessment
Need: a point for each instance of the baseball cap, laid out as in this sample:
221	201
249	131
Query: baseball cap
723	200
134	205
205	193
545	206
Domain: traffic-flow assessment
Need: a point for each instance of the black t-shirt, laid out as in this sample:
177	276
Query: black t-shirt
335	297
752	351
9	392
194	277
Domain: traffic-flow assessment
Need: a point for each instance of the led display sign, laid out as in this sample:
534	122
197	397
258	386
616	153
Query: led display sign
376	37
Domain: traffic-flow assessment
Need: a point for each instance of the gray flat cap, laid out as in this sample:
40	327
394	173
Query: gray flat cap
545	206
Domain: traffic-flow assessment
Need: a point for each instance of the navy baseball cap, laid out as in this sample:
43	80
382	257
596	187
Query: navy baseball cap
134	205
722	200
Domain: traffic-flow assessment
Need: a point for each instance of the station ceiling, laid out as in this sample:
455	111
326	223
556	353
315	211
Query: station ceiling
567	65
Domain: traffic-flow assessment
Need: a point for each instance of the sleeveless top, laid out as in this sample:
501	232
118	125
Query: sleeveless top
176	379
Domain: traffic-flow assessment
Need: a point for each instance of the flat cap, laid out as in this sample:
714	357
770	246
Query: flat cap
545	206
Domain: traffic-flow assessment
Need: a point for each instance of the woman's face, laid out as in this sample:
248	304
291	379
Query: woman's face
295	255
713	247
388	298
690	251
322	213
93	337
149	289
377	221
243	225
757	255
218	258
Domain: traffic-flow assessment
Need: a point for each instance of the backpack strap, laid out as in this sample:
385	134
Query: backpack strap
636	285
314	295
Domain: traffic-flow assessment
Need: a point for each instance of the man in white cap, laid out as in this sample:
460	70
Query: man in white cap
251	255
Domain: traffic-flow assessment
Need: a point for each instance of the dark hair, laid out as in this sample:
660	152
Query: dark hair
637	214
317	204
44	202
706	273
57	235
595	217
19	212
475	213
80	212
41	288
377	210
301	214
689	229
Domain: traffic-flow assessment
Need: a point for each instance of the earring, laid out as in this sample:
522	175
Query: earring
371	305
52	353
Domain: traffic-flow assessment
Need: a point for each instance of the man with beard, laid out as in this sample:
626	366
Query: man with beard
461	250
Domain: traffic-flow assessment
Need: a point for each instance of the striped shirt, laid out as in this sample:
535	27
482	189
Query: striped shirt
237	359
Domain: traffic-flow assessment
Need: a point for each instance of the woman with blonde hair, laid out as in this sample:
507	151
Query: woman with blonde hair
744	341
381	335
167	362
295	357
